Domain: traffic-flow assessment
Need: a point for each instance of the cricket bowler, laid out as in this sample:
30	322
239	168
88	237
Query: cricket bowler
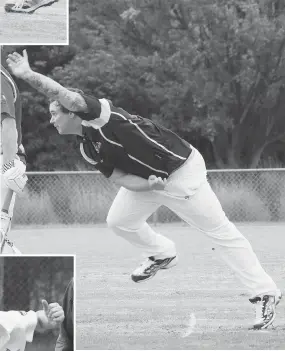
18	327
13	158
154	167
26	6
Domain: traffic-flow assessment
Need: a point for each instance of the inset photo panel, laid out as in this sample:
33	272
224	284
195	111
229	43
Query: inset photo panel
34	22
36	303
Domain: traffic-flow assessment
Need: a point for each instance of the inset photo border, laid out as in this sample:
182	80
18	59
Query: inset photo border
34	22
37	308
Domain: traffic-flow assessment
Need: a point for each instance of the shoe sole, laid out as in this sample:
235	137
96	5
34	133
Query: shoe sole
31	10
272	319
169	265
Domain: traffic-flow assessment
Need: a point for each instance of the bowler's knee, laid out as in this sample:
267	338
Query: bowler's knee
225	227
121	224
113	221
228	233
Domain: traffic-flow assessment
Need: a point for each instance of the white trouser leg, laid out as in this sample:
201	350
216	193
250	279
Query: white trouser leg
127	218
203	211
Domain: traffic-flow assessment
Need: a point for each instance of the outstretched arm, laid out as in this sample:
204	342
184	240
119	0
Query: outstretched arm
20	67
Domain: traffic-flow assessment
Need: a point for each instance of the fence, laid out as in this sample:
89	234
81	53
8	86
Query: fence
85	197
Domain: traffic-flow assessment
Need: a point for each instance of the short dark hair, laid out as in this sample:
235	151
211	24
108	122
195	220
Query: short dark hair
62	108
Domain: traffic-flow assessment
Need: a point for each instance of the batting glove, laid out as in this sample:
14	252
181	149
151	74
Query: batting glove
14	176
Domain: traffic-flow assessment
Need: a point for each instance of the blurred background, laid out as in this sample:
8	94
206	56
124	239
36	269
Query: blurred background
211	70
25	281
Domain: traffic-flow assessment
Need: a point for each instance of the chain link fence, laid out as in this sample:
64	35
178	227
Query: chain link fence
26	281
85	197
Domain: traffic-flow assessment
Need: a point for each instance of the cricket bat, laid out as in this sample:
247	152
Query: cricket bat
5	208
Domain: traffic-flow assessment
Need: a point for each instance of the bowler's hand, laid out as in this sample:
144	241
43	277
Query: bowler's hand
18	64
156	183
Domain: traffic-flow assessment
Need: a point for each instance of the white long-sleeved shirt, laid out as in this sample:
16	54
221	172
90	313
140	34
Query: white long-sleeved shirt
16	329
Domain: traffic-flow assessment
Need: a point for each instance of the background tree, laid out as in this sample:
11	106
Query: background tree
212	70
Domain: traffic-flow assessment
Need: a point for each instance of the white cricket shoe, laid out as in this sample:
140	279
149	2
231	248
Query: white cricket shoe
265	309
26	6
151	266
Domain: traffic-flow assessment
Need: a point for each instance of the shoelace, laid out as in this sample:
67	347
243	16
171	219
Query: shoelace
145	263
148	264
259	309
19	4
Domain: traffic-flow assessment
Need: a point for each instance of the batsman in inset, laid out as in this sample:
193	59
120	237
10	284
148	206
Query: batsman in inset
12	159
154	167
18	327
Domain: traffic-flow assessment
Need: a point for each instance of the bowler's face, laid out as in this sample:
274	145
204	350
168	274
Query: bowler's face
61	120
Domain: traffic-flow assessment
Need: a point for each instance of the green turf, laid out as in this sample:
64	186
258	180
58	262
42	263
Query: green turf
115	313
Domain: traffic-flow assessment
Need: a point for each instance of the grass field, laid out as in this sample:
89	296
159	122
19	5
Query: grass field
115	313
48	25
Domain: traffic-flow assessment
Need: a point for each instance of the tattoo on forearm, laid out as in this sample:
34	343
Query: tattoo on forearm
44	85
77	103
54	90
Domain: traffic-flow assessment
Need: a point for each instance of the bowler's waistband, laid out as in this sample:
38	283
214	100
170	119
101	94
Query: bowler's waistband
188	159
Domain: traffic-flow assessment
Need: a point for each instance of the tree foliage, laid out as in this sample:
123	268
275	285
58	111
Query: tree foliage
211	70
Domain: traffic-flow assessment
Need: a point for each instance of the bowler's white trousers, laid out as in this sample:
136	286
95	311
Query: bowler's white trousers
190	196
